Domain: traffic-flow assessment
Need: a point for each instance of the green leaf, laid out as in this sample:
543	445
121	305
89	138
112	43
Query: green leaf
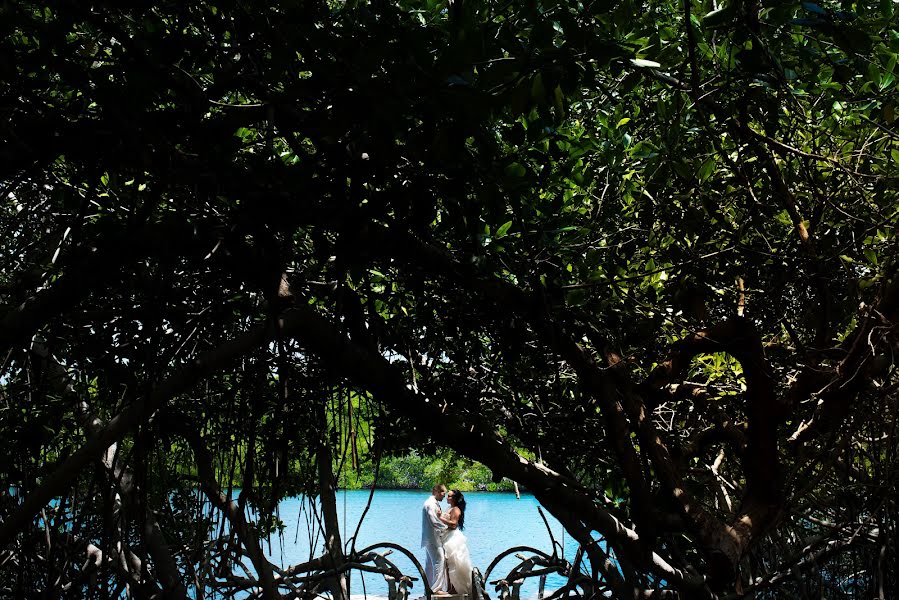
503	229
707	168
559	102
515	170
866	282
720	17
643	63
874	74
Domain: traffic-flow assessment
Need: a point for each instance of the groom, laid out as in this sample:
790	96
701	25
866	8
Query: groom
431	530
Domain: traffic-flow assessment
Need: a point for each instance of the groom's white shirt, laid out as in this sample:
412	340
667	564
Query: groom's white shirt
431	525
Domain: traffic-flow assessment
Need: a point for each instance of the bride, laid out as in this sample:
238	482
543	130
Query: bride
458	561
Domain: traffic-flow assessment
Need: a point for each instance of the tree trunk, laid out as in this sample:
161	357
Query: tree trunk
328	494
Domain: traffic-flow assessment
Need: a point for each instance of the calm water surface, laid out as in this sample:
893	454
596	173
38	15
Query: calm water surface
494	521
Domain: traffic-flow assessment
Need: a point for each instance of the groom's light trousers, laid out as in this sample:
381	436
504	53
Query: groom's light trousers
435	567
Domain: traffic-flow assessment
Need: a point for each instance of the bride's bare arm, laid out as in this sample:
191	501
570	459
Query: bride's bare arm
451	519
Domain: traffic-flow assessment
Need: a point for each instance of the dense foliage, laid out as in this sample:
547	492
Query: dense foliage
637	256
415	472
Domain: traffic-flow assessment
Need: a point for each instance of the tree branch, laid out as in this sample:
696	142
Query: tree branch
144	406
851	374
232	511
477	440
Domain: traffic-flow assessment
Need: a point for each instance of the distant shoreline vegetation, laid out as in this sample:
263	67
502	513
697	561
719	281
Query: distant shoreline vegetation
416	472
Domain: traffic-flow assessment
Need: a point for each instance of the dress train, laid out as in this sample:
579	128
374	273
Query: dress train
458	561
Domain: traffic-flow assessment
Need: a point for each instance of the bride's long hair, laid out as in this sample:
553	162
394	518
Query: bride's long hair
459	499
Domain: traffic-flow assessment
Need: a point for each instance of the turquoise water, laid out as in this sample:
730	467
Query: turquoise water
494	521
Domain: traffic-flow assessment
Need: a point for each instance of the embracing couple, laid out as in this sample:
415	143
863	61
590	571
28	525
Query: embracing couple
448	565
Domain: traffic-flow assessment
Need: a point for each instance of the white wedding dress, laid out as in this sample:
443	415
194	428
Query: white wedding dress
458	561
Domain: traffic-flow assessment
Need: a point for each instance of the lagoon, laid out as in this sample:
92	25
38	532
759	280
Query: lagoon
494	521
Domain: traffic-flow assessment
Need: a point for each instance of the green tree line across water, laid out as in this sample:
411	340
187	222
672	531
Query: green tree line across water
418	471
360	459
